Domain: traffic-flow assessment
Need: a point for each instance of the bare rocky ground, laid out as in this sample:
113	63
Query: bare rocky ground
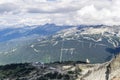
62	71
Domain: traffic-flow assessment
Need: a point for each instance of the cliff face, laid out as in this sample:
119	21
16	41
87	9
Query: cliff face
62	71
115	68
106	71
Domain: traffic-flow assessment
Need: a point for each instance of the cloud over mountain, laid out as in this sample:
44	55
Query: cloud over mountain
70	12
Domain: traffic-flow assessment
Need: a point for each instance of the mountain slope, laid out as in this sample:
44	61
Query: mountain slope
96	43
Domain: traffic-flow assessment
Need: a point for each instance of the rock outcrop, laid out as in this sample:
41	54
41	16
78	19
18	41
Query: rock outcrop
106	71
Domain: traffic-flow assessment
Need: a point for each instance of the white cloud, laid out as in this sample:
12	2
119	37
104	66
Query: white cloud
70	12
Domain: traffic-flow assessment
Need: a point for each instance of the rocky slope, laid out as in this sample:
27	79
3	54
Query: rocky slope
68	70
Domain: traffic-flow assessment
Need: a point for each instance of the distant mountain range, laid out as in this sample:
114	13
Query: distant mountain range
26	31
50	43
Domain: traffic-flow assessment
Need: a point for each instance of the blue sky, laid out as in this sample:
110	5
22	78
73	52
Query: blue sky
60	12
